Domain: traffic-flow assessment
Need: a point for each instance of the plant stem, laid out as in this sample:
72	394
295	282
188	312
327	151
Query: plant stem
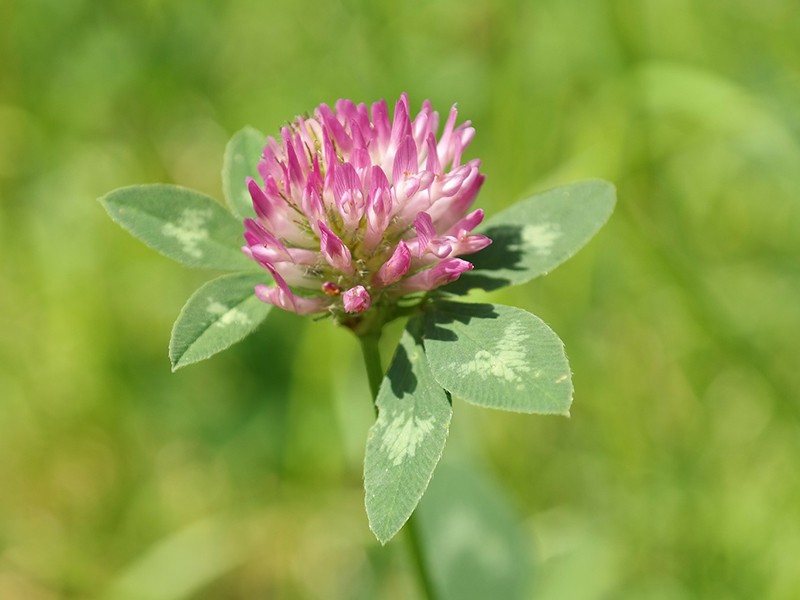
418	556
372	360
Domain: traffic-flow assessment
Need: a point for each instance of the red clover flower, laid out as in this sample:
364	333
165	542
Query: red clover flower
360	216
358	210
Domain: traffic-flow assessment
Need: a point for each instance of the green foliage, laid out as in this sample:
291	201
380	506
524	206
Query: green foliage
498	357
182	224
219	314
242	155
489	355
534	236
473	541
407	440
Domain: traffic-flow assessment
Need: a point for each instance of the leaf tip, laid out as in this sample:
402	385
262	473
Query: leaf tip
384	537
383	529
174	361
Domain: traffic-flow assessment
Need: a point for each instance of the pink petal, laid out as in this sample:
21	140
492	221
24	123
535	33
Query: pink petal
425	232
360	159
380	121
270	160
334	250
427	241
467	224
359	141
272	209
304	139
432	164
348	195
311	203
448	211
405	161
336	129
396	267
421	125
261	203
265	248
297	276
255	233
443	273
379	208
282	297
452	182
329	155
444	141
470	244
345	108
401	127
295	176
462	136
289	302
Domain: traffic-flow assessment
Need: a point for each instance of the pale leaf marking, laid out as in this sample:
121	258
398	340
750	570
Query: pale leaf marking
540	237
189	230
227	315
507	360
402	437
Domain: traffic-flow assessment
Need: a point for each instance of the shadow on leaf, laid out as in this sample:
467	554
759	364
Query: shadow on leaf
401	374
444	313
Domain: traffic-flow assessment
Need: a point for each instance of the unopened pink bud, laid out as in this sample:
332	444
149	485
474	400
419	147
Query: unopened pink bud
331	289
356	299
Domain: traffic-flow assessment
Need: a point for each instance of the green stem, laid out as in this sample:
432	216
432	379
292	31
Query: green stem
418	556
372	360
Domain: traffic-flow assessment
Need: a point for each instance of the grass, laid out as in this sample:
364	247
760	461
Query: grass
677	475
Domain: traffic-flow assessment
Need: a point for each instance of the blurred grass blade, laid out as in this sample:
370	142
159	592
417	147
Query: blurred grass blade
471	537
182	224
407	440
534	236
242	155
498	357
181	565
219	314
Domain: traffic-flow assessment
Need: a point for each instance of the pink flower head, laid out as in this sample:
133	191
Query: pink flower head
355	199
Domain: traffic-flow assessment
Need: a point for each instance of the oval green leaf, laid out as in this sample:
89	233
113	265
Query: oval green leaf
242	155
219	314
534	236
182	224
498	357
407	440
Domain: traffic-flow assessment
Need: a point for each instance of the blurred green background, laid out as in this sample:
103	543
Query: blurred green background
678	475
